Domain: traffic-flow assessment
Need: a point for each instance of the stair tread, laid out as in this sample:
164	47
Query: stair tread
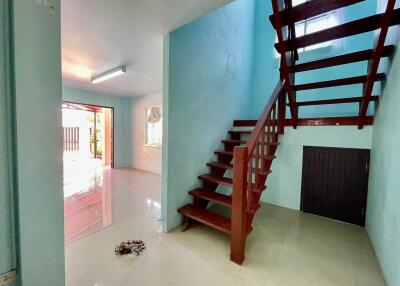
224	181
220	165
245	123
329	121
215	179
212	196
341	60
310	9
230	166
223	152
335	101
336	82
234	141
230	153
240	132
207	217
356	27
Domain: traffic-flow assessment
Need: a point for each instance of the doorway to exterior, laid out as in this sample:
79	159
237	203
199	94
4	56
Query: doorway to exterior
87	157
335	183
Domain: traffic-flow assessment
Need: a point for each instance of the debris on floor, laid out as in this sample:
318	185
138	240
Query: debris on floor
130	247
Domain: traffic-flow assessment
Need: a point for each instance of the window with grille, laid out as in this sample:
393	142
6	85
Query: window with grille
315	24
153	127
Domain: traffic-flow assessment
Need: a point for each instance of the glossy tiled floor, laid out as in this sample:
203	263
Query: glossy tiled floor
286	247
87	197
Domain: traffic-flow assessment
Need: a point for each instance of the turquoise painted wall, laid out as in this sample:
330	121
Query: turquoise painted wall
265	71
7	235
208	85
285	190
266	64
383	213
122	117
39	141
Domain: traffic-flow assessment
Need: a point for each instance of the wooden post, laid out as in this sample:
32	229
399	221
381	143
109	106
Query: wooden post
287	59
239	203
281	112
95	134
373	63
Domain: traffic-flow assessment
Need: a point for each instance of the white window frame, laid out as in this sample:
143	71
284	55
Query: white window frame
146	143
306	23
329	46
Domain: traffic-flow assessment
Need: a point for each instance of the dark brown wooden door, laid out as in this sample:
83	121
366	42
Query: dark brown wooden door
335	183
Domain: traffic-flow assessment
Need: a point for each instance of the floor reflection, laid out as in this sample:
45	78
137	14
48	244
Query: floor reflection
87	198
154	208
136	215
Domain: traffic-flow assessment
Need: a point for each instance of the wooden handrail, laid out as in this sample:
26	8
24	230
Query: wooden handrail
251	163
250	170
253	139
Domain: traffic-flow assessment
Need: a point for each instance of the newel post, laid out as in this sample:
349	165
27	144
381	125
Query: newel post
239	204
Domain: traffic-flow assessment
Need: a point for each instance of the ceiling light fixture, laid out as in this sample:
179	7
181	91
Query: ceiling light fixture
109	74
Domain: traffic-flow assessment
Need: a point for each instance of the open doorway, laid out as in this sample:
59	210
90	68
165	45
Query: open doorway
88	154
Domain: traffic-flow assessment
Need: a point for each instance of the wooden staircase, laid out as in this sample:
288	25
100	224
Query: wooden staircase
248	154
247	165
218	169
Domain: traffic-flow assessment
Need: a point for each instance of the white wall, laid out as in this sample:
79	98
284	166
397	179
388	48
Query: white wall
144	157
284	183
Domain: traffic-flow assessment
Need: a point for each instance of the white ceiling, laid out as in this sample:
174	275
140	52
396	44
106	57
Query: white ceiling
98	35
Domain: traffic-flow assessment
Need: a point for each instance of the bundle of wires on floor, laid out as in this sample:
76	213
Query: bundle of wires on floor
130	247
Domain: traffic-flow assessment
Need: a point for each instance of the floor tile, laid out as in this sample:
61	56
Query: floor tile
285	248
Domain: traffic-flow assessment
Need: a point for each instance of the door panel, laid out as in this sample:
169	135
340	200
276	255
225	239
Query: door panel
7	253
335	183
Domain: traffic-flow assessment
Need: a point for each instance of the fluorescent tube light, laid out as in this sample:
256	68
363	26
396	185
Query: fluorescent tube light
110	74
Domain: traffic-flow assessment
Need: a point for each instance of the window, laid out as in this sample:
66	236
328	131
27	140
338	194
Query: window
315	24
298	2
153	127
